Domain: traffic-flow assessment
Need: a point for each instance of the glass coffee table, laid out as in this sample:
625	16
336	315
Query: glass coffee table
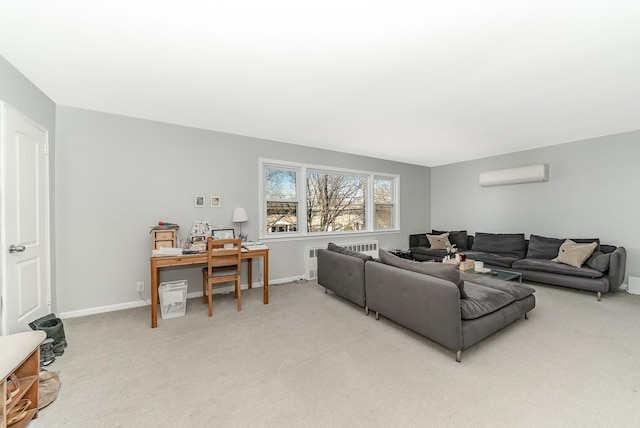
504	275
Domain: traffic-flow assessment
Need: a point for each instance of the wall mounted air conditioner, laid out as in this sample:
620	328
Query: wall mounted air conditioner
525	174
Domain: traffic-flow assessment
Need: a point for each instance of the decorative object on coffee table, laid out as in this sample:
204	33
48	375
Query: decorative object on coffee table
451	250
466	264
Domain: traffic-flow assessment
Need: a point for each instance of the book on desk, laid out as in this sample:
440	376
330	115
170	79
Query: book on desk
251	245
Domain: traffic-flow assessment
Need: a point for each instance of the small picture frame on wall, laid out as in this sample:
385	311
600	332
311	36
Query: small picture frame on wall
216	202
198	201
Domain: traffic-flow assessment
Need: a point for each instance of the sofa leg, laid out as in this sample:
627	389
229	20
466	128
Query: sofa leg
325	290
459	356
366	310
526	315
377	316
599	296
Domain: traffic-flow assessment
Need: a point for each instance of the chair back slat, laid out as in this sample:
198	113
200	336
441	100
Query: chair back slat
219	256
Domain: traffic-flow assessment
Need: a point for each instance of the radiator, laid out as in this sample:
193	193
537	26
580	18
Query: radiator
369	248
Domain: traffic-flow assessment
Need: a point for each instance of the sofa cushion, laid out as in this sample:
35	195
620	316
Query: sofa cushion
445	271
482	301
508	244
429	252
574	254
439	242
457	237
517	290
493	259
599	261
544	248
552	267
338	249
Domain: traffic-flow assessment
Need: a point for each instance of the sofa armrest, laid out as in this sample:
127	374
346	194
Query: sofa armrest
342	274
427	305
617	268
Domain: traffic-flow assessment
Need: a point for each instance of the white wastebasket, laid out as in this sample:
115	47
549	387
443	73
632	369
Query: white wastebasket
173	299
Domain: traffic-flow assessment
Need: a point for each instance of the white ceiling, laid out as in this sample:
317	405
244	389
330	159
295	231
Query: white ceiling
423	82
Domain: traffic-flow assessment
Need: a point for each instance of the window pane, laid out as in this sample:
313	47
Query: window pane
384	216
382	191
335	202
282	217
280	184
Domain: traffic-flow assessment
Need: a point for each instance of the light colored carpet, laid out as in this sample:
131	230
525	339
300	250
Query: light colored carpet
314	360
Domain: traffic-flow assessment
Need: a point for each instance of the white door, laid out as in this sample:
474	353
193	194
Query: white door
25	223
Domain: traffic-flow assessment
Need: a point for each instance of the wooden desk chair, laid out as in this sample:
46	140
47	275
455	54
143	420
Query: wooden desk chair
223	265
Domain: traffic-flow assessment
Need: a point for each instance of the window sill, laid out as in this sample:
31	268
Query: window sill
324	235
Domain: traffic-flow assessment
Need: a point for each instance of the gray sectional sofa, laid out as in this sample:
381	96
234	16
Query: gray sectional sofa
602	272
342	271
449	307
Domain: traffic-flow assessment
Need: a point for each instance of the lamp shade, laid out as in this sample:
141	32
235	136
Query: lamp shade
240	215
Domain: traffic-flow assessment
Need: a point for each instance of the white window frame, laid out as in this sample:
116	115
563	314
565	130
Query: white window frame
301	198
393	203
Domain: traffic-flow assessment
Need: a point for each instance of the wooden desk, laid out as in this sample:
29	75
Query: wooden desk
201	259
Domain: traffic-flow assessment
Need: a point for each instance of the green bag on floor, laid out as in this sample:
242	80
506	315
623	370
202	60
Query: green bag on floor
54	328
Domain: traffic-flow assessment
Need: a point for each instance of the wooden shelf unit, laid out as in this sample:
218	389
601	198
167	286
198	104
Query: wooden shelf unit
21	355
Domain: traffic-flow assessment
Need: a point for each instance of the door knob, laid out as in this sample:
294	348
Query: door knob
14	249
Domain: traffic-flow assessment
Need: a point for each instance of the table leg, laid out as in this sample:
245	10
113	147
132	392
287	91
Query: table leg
250	272
266	278
154	295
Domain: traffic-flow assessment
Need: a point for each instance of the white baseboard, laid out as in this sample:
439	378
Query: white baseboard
102	309
139	303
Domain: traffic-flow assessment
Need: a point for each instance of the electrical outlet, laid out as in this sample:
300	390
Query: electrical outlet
140	285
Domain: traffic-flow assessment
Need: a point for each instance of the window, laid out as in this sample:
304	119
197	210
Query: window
383	199
335	202
302	200
281	196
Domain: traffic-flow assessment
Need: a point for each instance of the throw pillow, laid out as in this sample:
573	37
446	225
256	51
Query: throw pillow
574	254
445	271
588	241
543	248
439	242
338	249
457	237
599	261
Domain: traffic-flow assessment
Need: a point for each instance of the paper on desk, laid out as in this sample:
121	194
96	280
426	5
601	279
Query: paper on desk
254	246
167	251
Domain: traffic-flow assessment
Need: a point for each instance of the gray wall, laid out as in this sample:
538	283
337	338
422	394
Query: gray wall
117	176
17	91
591	192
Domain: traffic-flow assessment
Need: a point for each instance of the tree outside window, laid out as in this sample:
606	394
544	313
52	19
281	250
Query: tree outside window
335	202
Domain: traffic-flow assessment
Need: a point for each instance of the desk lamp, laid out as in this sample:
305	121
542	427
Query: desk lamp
240	216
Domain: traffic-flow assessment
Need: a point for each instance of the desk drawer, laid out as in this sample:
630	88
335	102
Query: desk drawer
161	244
164	238
165	235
